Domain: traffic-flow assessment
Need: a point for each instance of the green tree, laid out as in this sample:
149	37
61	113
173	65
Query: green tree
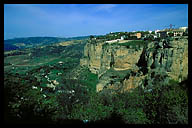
130	106
91	37
171	34
167	102
94	110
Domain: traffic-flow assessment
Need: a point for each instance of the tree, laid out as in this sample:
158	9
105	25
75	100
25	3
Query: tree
130	107
91	37
133	115
185	34
153	32
178	34
174	103
163	102
171	34
94	110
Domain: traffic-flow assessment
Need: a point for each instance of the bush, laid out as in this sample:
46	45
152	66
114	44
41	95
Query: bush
130	107
166	104
133	115
72	92
94	110
134	43
175	102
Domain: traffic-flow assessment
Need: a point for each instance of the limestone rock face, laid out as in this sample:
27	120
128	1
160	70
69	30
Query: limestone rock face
114	63
92	56
100	57
126	58
83	62
132	82
173	57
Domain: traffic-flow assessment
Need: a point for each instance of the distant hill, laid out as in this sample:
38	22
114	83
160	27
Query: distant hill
78	38
29	42
9	47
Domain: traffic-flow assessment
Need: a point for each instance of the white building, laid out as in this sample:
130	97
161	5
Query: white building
183	28
60	62
156	31
122	37
155	36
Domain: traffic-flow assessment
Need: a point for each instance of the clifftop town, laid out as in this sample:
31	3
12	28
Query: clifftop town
124	61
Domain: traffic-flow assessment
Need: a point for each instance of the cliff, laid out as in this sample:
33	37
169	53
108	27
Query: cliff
124	65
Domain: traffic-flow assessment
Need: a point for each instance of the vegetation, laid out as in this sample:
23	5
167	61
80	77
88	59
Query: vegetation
89	79
29	99
31	42
156	107
118	35
132	44
167	104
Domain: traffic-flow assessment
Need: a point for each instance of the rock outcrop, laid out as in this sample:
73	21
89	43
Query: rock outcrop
123	67
169	55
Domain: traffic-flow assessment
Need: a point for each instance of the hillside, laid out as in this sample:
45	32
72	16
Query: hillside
97	82
30	42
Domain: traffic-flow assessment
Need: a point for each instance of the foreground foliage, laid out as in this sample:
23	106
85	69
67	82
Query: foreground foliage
163	105
27	99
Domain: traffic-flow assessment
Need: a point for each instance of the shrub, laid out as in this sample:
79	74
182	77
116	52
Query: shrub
92	111
167	104
133	44
133	115
175	105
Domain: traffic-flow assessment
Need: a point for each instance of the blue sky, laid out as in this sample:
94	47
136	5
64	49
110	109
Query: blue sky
69	20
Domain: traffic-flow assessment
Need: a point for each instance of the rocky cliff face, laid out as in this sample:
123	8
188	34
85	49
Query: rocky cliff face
123	67
169	55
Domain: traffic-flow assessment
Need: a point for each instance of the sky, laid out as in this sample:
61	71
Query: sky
70	20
